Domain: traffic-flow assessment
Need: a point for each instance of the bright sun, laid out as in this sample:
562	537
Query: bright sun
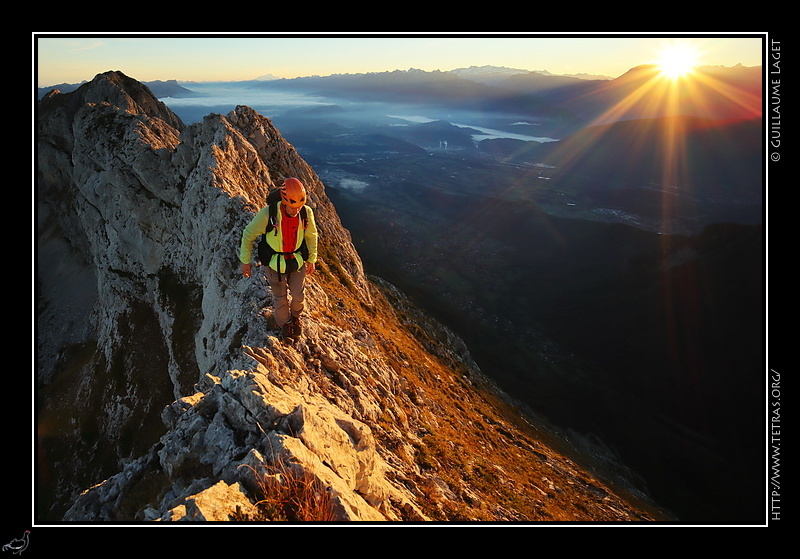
676	61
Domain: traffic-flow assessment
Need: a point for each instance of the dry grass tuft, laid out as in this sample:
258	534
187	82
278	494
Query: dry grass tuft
287	495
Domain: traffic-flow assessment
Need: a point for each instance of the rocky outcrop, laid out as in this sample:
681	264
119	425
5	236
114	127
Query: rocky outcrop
164	394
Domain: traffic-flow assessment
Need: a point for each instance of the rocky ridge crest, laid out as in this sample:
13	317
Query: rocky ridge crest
164	395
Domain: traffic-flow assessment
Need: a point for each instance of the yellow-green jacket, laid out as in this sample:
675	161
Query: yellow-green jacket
307	232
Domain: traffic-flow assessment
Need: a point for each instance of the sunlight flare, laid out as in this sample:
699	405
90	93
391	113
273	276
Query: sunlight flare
677	60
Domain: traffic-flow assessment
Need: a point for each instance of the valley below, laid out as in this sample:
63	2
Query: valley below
574	318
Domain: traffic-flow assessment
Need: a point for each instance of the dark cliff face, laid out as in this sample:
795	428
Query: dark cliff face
159	379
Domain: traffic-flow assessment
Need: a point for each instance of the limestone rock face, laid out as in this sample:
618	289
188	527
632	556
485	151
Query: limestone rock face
164	394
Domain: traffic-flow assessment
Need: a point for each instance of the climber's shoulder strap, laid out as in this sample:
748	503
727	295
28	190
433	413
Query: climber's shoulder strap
272	209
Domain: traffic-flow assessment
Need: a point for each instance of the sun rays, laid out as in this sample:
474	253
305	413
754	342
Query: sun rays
654	114
677	60
673	87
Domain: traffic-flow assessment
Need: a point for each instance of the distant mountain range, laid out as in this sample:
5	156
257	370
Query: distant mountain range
715	92
159	88
495	75
576	101
712	92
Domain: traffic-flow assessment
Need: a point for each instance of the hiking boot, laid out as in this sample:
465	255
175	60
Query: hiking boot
297	328
292	329
270	318
287	331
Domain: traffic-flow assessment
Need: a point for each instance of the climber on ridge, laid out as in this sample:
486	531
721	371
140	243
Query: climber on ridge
287	249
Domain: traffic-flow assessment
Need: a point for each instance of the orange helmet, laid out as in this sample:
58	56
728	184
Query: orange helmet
293	193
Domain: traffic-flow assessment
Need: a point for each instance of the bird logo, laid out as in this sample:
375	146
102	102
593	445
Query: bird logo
18	545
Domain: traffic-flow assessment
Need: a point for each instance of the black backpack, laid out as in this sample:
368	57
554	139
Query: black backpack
265	252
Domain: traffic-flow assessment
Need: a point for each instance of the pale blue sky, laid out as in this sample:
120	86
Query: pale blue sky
73	58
